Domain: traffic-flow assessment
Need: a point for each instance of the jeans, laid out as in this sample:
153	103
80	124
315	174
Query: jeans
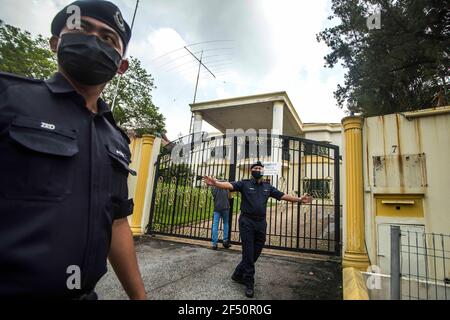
224	214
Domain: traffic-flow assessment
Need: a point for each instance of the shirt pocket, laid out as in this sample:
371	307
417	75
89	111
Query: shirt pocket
37	158
251	193
118	172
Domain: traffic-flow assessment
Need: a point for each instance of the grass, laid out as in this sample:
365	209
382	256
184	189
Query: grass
186	205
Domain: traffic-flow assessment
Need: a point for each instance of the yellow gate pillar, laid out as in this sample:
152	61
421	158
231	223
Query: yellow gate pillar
141	185
355	254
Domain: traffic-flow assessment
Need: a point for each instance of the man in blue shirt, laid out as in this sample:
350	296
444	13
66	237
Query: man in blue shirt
252	221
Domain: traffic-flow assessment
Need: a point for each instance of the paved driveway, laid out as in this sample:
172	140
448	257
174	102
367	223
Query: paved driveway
173	271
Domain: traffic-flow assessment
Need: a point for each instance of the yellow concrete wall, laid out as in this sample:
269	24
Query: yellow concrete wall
397	135
144	152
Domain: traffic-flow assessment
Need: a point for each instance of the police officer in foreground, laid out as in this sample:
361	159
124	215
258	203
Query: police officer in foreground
252	221
64	165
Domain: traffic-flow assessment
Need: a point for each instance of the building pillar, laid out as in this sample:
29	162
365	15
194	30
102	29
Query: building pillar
141	185
355	254
277	122
277	129
198	119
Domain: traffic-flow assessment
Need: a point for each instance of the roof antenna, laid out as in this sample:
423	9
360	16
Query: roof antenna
120	77
200	64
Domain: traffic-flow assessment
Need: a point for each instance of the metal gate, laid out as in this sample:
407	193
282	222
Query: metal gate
182	204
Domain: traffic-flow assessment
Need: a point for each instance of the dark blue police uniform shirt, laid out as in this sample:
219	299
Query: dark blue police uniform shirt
255	195
63	181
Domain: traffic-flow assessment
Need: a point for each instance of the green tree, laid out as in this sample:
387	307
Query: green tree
402	66
134	110
133	106
21	54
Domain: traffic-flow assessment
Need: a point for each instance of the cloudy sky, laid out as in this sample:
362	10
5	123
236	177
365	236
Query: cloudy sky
252	46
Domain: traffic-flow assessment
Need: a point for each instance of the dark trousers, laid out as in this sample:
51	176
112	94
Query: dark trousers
253	237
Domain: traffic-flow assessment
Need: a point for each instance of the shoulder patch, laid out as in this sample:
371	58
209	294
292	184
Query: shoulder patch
12	76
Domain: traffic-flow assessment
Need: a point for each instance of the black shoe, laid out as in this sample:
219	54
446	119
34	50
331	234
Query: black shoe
249	292
237	279
214	247
226	244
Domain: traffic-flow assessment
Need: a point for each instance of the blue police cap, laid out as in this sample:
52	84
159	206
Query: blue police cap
257	164
101	10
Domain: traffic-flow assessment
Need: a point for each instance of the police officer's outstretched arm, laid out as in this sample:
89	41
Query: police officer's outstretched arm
211	181
277	194
305	199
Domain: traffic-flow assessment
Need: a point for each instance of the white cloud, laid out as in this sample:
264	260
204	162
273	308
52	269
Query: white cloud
275	49
165	40
35	15
298	58
160	54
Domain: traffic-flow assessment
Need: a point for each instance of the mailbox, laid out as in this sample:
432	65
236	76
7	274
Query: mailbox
399	205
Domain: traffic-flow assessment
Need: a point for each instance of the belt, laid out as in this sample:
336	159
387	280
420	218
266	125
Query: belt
254	217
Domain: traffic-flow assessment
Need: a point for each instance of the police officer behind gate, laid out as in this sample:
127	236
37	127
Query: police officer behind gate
252	221
64	165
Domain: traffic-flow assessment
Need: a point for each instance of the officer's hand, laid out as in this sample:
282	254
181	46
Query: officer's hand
210	181
306	199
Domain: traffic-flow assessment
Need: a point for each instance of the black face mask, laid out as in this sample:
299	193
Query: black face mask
257	175
87	59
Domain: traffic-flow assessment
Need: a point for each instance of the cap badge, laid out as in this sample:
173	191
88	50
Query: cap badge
119	21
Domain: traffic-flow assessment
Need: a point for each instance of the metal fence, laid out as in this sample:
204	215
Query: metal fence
420	265
183	205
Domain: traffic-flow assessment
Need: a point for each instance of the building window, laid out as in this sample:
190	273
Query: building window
318	188
314	149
